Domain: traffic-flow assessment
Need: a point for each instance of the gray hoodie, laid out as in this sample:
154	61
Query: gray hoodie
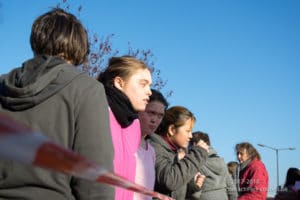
218	184
70	108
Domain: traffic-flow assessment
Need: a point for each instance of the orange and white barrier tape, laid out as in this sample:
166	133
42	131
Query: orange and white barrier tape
19	143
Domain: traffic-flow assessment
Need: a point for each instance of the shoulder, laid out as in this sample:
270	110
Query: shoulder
256	163
159	144
150	148
82	85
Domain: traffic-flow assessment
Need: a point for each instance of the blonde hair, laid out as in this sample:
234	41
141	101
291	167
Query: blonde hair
124	67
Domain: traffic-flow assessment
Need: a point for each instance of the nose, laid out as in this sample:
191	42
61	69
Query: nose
149	93
239	156
153	120
190	135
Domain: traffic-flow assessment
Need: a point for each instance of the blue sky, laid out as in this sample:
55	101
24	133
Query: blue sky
234	64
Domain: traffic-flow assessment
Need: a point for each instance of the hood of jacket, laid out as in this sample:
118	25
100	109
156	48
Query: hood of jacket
215	164
157	140
35	81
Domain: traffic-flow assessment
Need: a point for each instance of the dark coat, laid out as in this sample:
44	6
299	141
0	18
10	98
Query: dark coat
173	175
69	107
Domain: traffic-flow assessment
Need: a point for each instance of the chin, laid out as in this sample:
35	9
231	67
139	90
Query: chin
139	109
183	146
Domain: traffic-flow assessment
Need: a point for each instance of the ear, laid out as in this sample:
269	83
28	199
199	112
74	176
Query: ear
171	130
119	83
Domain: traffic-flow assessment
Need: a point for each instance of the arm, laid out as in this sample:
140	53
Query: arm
93	140
173	175
194	187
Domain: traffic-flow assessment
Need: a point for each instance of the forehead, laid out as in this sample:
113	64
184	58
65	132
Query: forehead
155	106
189	123
141	75
242	151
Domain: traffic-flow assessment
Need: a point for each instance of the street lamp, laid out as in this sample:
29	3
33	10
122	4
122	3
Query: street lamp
277	150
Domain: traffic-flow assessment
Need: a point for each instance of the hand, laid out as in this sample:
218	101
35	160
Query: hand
203	145
181	153
199	179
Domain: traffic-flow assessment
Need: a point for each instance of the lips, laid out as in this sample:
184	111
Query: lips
152	127
146	100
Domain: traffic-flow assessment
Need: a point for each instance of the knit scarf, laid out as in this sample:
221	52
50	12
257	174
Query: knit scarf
236	175
120	106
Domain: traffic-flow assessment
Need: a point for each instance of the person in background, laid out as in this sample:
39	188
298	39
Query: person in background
252	174
231	166
218	184
48	94
292	176
127	82
232	169
173	133
291	188
145	164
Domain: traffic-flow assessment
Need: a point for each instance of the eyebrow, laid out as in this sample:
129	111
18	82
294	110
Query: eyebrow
145	80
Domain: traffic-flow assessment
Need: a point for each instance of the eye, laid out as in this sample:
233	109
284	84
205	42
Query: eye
151	113
160	116
143	83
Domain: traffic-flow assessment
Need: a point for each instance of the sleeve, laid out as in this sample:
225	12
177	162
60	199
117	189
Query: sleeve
257	184
231	188
172	175
193	191
93	140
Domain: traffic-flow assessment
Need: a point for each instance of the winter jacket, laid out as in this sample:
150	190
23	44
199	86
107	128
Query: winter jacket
218	184
254	181
70	108
171	174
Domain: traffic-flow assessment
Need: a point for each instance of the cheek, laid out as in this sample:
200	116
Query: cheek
158	122
132	95
147	119
181	139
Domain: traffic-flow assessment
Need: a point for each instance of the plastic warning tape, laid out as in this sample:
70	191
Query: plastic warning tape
19	143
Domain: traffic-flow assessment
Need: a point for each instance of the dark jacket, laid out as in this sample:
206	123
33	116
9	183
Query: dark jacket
218	184
173	175
70	108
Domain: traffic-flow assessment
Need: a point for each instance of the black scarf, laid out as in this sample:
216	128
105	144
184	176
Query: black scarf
120	106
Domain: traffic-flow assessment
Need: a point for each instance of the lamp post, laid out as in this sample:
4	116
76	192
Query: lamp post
277	164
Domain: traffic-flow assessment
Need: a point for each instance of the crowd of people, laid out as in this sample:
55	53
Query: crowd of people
120	123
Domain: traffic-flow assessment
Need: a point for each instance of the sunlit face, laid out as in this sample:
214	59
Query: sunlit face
151	117
136	88
242	155
182	135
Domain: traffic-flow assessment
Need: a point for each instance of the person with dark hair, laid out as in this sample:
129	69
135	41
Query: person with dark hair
252	176
292	175
150	119
127	82
290	190
231	165
171	173
218	184
154	113
48	94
